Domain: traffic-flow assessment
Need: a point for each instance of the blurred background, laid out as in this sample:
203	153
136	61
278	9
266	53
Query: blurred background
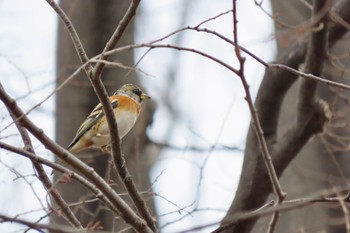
199	115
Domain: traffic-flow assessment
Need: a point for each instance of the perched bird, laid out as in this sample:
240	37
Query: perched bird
94	131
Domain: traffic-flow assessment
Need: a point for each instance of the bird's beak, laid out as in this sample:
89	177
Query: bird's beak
144	96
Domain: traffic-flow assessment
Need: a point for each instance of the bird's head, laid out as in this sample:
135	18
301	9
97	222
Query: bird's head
132	91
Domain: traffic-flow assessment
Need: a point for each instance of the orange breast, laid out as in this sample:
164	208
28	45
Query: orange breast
127	104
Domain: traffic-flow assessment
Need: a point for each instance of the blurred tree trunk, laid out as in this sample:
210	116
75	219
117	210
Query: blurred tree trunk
95	22
315	168
320	164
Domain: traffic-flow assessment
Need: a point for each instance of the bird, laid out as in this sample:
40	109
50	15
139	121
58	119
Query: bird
94	131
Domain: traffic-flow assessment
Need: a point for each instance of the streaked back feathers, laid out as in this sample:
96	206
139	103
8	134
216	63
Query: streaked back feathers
94	132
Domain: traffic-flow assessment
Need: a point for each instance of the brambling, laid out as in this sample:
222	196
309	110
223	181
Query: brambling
94	132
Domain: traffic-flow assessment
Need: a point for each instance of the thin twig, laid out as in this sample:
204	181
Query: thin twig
62	169
330	197
277	189
218	147
309	76
150	45
153	44
256	122
36	226
46	182
345	210
123	23
73	34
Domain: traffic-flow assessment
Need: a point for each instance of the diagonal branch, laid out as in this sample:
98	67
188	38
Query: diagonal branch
45	180
123	23
90	186
94	75
34	226
273	88
125	211
73	34
328	197
277	189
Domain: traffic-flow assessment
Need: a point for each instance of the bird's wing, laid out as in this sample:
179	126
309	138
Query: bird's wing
90	121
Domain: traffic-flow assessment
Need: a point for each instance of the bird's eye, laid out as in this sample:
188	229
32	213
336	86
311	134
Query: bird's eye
137	91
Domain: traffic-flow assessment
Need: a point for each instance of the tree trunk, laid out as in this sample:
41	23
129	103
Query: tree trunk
95	22
314	168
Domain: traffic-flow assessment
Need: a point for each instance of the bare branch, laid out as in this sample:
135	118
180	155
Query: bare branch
62	169
100	90
217	147
309	76
256	122
125	211
123	23
329	197
73	34
67	212
345	211
273	88
35	226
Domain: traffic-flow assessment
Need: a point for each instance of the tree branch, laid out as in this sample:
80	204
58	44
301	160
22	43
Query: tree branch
123	23
94	75
273	88
67	212
125	211
315	56
330	197
61	169
35	226
308	103
277	189
73	34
